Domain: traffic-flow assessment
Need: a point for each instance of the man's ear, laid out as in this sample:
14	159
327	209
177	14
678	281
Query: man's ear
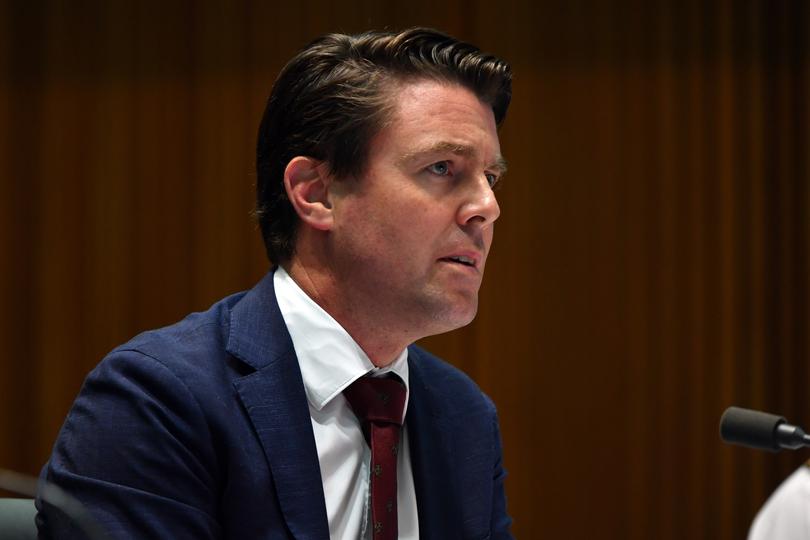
307	182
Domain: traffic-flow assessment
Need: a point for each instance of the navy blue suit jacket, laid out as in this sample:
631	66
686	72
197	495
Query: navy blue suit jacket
202	430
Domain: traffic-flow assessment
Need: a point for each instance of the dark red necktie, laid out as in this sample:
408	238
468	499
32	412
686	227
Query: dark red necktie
378	404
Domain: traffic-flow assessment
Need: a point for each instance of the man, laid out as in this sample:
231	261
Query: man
377	155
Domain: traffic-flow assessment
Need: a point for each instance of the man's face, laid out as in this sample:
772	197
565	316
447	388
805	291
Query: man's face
411	236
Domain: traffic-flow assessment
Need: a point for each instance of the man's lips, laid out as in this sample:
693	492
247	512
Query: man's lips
471	259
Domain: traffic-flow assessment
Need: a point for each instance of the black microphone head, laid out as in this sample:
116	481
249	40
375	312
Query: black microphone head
753	429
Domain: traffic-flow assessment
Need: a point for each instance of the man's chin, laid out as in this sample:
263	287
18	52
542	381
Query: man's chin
457	316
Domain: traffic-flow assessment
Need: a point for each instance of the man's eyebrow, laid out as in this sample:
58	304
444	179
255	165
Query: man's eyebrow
454	148
439	147
499	165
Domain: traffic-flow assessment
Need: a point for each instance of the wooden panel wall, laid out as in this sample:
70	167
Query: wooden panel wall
650	265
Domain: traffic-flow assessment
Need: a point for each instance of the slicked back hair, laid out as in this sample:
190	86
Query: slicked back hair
336	94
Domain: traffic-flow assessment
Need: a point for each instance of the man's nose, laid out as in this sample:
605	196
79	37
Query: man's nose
480	205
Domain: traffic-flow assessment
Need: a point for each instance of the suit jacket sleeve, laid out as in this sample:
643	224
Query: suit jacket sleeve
135	450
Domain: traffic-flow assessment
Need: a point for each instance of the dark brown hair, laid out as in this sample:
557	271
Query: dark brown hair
332	98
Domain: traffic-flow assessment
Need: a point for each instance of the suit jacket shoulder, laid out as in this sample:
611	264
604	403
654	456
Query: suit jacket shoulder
456	452
195	431
457	386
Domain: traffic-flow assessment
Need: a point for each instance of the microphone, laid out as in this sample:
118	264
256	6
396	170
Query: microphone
760	430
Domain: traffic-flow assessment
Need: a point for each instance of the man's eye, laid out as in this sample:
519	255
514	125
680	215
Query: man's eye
442	168
492	179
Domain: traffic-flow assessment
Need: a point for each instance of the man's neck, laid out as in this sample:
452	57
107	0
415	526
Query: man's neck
381	343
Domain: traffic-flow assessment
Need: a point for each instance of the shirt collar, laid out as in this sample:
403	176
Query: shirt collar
330	360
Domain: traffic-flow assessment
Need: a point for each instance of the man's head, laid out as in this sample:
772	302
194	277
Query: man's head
333	98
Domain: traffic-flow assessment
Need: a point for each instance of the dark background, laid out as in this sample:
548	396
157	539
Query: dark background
650	266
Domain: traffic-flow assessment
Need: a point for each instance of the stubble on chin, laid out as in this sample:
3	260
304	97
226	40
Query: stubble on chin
442	315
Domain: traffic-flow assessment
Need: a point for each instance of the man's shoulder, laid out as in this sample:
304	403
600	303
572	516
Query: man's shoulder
193	352
206	351
185	368
198	333
445	378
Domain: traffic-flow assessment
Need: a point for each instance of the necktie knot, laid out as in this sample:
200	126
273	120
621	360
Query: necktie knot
377	400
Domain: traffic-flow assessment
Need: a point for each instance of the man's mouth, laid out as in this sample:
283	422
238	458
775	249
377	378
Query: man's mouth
467	261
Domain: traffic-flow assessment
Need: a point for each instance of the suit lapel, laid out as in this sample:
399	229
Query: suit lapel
433	470
276	403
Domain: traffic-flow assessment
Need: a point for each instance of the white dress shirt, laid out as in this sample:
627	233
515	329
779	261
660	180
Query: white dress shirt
330	361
